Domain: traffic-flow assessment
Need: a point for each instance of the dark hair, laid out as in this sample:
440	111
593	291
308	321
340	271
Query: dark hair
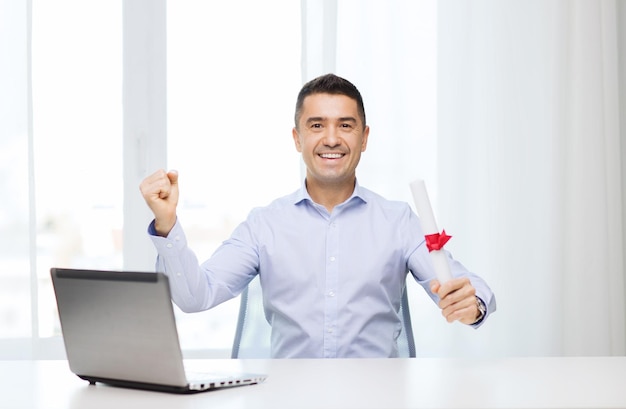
329	84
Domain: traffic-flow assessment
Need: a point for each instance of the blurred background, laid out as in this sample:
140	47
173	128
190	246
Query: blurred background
513	111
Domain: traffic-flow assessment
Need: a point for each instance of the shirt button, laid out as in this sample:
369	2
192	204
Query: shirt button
329	330
177	238
169	245
331	294
332	258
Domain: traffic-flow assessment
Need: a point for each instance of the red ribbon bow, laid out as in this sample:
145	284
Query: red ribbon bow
437	240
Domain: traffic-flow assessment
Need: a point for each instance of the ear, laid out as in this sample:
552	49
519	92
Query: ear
296	139
366	133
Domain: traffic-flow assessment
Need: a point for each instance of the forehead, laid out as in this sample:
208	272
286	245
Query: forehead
328	106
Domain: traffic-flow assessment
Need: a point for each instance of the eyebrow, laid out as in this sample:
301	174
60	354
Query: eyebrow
322	119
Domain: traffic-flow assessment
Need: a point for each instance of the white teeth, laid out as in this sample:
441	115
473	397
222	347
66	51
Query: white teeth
331	155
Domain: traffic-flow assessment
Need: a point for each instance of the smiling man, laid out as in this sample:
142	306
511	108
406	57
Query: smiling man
332	257
330	133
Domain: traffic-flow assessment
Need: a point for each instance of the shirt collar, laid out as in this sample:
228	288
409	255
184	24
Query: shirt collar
303	195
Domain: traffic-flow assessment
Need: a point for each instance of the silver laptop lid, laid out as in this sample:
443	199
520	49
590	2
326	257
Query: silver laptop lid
119	325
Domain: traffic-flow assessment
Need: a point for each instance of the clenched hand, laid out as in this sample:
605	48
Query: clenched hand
160	191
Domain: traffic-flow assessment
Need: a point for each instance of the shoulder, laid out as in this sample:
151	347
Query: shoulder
387	212
378	202
275	207
395	215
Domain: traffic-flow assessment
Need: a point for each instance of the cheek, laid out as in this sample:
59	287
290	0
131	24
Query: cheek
306	145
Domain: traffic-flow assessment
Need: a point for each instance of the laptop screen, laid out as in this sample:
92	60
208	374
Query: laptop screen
119	325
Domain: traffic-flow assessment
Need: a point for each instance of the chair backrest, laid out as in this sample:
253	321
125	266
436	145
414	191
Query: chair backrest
252	337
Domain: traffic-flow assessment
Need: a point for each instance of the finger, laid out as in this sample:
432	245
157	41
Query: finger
172	182
459	296
464	311
435	286
457	315
153	182
172	175
164	189
156	176
162	184
454	286
467	291
156	187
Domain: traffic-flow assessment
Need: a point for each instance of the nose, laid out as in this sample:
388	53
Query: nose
331	137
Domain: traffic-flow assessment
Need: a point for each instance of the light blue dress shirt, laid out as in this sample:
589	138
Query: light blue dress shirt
332	282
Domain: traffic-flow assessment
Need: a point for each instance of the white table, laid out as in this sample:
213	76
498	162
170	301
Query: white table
594	382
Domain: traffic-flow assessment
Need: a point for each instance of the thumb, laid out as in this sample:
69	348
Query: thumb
172	175
435	286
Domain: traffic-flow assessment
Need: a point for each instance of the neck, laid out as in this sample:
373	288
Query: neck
330	195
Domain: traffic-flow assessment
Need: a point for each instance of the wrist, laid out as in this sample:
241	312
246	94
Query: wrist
481	310
163	227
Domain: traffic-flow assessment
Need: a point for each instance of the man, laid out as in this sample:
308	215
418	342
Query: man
332	257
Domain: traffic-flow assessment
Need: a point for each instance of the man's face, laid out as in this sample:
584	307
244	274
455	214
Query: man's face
331	137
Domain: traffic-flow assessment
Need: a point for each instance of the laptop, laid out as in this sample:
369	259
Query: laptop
119	329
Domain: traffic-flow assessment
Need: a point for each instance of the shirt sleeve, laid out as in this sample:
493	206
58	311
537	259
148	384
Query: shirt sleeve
421	267
198	287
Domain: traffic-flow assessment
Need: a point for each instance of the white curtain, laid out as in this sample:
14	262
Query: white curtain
530	167
510	111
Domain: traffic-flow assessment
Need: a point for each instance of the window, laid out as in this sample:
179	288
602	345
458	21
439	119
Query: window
232	82
233	73
64	201
77	141
14	211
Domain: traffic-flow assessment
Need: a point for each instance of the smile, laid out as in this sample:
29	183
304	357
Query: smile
331	155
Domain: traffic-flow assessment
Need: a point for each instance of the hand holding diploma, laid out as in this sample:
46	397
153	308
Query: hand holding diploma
457	295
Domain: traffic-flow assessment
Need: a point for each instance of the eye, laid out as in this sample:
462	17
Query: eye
316	125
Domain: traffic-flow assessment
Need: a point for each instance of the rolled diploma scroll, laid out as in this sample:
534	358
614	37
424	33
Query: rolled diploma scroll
429	225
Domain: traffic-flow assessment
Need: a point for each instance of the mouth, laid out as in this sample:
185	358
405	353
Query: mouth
331	155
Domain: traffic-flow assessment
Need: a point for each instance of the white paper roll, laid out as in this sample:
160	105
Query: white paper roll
429	226
424	209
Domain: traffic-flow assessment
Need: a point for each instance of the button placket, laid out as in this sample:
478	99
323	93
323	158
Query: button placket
332	277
